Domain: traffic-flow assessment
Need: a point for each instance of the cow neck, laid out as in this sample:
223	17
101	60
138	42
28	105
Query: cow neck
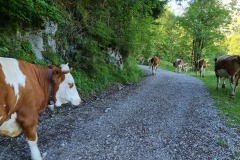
50	100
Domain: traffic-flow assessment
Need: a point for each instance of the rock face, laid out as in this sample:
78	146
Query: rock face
36	38
40	39
115	57
51	29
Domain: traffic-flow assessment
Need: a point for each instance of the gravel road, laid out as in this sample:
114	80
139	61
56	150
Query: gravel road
169	116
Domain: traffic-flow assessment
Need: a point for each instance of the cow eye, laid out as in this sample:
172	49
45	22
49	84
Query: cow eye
70	85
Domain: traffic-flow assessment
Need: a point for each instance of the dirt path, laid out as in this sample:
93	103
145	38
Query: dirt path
169	116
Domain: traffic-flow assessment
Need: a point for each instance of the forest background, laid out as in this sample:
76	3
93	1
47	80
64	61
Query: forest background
137	28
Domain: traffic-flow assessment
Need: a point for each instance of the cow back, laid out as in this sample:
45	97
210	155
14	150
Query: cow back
231	64
198	64
177	62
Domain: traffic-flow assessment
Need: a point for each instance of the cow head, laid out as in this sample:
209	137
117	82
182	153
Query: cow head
64	88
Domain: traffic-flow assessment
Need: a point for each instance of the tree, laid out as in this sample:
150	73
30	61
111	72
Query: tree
171	39
233	39
28	12
202	21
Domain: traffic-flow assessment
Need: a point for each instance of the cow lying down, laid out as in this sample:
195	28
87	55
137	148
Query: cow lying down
228	67
26	90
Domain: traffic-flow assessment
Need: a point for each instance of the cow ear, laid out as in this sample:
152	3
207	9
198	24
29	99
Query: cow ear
51	66
56	75
238	58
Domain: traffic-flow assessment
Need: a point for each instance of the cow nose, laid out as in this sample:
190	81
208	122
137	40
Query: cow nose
77	102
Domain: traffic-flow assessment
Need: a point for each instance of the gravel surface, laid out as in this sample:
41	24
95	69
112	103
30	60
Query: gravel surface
169	116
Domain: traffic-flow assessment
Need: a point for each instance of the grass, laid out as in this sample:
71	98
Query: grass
228	107
221	143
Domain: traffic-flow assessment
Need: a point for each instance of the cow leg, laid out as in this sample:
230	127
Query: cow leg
35	153
203	72
218	81
29	127
32	139
154	70
179	69
233	86
150	66
235	81
224	83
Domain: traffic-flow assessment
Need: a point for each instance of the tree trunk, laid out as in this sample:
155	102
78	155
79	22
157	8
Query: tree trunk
197	48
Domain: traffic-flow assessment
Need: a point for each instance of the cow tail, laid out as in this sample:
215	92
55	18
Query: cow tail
215	60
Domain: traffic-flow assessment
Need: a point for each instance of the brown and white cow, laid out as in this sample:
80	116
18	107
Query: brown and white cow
25	91
154	63
200	65
177	64
185	67
228	67
141	60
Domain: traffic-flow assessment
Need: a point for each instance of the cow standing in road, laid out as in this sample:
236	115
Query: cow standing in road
178	64
154	63
200	65
141	60
26	89
228	67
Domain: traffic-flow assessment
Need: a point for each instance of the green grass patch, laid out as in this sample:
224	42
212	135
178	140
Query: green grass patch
229	108
221	143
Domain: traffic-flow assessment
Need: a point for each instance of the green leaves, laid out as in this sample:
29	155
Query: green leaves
202	21
28	11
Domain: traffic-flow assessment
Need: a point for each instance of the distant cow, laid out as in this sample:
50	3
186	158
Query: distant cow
25	90
177	64
228	67
200	65
185	67
154	63
141	60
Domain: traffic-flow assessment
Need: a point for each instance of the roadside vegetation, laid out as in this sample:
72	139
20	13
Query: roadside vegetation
107	76
229	107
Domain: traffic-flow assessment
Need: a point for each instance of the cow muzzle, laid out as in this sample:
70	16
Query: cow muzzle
76	102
